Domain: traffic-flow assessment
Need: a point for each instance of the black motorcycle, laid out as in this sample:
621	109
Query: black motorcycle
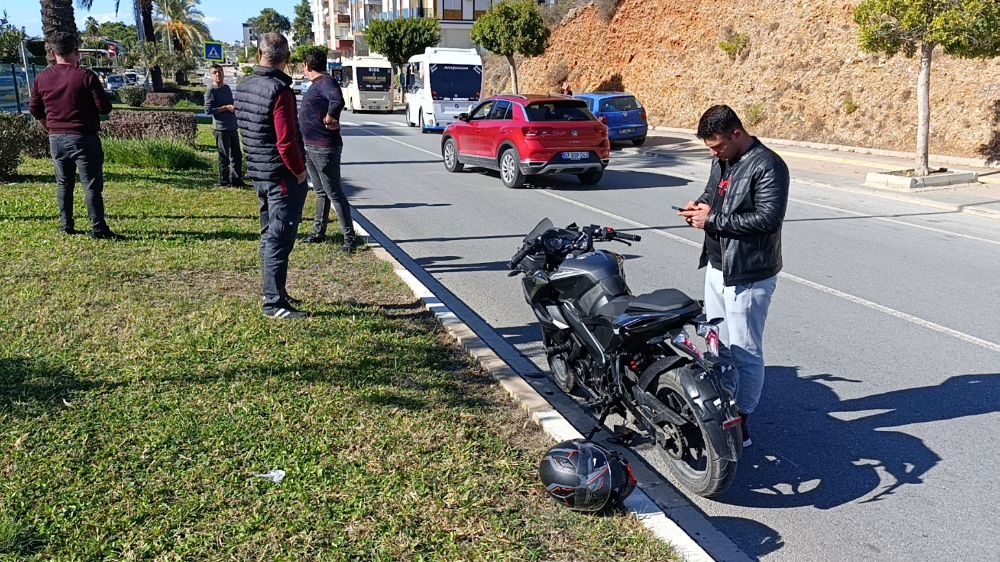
632	355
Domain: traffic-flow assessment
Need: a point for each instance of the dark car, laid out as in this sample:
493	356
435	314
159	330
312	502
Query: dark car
623	114
521	136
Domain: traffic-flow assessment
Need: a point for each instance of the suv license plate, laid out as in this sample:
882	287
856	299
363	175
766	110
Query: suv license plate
626	131
575	155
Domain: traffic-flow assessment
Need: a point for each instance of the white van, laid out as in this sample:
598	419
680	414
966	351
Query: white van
440	85
366	83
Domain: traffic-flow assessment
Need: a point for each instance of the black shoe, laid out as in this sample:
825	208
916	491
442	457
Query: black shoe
351	245
224	184
238	183
314	239
286	312
106	234
746	431
69	231
292	301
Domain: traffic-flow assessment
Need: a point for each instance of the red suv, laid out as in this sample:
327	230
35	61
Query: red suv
529	135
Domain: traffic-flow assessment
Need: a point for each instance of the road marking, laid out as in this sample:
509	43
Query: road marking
986	344
376	134
349	123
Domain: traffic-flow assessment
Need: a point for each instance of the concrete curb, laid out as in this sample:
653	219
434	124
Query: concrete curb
872	192
936	158
541	411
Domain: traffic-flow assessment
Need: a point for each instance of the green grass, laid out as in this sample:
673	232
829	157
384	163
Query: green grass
157	154
141	390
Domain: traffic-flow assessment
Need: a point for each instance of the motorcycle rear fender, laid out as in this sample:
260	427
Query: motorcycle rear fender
712	408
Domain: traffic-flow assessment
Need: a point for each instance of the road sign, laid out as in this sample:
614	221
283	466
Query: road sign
213	50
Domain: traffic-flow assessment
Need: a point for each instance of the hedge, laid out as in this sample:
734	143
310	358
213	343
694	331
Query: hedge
138	125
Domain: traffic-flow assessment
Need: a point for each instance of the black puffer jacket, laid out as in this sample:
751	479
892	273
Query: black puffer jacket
749	223
255	96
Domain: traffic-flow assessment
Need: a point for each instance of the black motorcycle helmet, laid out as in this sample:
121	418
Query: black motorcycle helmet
586	477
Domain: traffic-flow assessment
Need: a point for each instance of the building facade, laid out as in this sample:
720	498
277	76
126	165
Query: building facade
332	23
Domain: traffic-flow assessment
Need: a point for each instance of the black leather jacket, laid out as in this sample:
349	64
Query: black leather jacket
749	223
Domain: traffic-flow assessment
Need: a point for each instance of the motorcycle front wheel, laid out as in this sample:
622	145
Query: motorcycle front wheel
690	458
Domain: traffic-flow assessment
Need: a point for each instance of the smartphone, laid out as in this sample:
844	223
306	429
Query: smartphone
676	208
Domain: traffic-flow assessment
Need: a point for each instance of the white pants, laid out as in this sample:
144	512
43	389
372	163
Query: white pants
741	334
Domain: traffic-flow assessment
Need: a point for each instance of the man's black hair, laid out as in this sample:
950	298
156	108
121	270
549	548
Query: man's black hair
216	66
718	120
315	59
62	43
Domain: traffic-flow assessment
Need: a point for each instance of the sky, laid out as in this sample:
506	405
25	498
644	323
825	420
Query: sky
224	17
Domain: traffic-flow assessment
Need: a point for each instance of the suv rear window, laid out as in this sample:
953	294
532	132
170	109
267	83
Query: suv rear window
558	110
624	103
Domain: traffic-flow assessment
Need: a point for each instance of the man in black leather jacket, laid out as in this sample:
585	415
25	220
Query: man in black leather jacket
741	212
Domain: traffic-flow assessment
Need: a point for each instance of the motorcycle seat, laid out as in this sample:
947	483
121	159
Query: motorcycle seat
664	300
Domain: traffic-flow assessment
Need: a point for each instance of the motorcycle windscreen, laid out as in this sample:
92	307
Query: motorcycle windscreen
542	226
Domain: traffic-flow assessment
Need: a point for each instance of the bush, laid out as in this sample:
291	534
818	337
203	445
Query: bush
753	114
850	106
247	70
162	99
187	104
140	125
134	96
153	153
735	44
13	130
36	141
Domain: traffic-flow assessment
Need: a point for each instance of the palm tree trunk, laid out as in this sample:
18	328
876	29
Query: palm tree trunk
58	16
146	9
924	111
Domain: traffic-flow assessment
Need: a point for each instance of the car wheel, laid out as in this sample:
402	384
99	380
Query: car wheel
407	114
450	155
510	169
591	177
639	141
423	129
350	106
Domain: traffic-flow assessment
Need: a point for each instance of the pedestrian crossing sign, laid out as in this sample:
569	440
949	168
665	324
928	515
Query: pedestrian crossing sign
213	50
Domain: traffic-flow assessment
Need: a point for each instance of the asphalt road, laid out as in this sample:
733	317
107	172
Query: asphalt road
876	435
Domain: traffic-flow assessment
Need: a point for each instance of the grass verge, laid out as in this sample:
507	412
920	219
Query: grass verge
157	154
141	390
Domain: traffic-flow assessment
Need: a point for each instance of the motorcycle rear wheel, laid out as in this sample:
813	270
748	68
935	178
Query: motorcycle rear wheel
693	463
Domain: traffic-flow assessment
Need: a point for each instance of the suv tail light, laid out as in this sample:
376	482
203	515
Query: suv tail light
643	114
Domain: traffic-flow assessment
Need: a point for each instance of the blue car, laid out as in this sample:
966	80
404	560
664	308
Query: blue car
621	112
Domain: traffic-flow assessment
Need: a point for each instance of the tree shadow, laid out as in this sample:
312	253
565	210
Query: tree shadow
613	83
29	387
819	451
991	150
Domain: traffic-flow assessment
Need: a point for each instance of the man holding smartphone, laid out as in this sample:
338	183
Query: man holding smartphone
741	212
219	103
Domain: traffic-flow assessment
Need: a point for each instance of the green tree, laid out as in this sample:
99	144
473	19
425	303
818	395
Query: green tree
512	28
301	51
962	28
269	21
10	42
303	23
181	23
400	39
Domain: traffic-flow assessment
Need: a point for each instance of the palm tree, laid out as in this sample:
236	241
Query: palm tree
143	9
58	16
181	24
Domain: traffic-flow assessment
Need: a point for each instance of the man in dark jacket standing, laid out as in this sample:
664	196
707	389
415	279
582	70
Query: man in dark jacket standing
265	110
319	118
68	101
741	212
219	103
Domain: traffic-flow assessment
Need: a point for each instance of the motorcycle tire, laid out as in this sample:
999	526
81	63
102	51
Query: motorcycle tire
696	466
562	373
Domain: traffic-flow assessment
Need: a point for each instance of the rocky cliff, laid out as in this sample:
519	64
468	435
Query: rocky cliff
800	75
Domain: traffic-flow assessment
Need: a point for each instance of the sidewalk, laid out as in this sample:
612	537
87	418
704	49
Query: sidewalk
846	172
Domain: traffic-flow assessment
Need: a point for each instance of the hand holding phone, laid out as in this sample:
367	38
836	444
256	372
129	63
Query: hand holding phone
676	208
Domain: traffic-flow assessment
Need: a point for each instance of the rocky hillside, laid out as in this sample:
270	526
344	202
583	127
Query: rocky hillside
800	75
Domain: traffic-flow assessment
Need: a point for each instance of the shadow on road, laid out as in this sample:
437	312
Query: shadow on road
831	452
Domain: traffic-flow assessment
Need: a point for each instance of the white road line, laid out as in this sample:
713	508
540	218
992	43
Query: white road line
349	123
373	133
375	124
986	344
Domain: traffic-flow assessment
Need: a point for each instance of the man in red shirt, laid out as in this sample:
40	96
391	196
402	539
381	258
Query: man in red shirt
67	102
266	114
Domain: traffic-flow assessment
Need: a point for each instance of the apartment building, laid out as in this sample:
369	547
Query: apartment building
332	25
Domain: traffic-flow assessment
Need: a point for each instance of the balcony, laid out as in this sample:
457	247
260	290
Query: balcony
345	45
343	18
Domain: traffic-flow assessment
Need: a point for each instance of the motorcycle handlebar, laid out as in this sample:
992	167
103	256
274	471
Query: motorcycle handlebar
612	234
520	255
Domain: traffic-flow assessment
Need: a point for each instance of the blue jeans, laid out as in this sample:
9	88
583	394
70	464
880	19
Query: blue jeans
741	334
280	214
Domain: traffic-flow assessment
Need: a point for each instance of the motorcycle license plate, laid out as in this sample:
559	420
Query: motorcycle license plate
575	155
